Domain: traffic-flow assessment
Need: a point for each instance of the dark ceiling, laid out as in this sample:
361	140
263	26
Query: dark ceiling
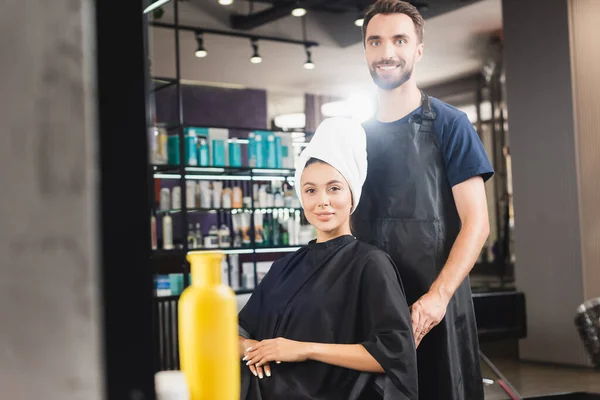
281	8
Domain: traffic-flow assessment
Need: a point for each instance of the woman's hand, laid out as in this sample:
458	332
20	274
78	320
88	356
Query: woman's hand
259	371
278	350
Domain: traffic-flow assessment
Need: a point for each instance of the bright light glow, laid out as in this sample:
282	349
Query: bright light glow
298	135
268	178
299	12
309	65
225	2
359	107
256	60
221	251
204	169
280	250
201	53
271	171
218	177
359	22
240	141
167	176
155	5
291	121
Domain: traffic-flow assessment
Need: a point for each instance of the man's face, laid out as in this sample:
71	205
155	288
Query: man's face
392	48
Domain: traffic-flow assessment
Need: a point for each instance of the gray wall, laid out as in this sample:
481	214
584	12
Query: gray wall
49	306
585	60
549	225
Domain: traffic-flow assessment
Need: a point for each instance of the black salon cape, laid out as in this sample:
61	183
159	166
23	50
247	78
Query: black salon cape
342	291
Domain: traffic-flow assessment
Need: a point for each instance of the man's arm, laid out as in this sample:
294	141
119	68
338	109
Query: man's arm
471	205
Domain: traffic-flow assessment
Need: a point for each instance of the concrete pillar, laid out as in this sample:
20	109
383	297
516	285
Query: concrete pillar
553	98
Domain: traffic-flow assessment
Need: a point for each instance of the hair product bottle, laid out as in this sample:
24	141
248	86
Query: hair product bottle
208	332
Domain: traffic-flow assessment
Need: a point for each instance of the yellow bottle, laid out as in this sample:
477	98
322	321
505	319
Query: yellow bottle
208	332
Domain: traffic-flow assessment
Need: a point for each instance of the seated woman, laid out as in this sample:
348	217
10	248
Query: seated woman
327	318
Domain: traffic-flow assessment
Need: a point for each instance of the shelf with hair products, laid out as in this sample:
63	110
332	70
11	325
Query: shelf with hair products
244	206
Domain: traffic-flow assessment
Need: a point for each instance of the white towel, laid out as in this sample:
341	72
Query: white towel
341	143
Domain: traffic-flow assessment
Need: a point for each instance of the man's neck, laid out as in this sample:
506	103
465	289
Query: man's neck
398	103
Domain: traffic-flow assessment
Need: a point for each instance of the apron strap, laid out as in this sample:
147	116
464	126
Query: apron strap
428	113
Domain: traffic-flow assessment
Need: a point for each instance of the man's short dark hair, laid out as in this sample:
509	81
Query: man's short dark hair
388	7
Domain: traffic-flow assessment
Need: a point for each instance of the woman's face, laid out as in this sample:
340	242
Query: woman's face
327	200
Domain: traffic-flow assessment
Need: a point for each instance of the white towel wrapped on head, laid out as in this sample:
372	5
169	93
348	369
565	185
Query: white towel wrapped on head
341	143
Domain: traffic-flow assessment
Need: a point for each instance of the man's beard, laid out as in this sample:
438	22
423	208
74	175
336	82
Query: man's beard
390	84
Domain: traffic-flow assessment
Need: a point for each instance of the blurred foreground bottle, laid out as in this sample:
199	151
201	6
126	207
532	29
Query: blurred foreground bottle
208	332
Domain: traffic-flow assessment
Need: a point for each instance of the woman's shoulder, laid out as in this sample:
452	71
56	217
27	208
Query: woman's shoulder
370	254
286	259
368	250
376	264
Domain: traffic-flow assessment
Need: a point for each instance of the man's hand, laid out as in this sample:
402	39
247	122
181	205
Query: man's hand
256	370
426	313
278	350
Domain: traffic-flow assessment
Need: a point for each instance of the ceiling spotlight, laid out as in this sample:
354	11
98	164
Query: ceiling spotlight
359	21
201	51
308	64
225	2
299	12
256	58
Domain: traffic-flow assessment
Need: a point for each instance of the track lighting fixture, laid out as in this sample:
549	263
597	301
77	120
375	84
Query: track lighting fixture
360	20
155	5
201	51
256	58
299	12
308	64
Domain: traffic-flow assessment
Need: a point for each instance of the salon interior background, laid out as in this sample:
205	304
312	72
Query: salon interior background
462	65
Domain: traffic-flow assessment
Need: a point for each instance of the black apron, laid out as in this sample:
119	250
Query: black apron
407	209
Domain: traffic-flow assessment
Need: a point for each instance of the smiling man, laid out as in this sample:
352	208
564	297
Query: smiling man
424	202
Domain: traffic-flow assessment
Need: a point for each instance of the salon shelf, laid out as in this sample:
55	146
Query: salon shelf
247	128
165	299
232	173
228	250
171	125
229	210
181	252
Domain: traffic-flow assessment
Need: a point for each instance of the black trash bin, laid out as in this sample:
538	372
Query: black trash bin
568	396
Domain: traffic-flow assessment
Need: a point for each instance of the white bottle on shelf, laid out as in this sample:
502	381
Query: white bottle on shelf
167	232
165	199
217	190
205	194
262	197
226	203
190	194
176	198
234	260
